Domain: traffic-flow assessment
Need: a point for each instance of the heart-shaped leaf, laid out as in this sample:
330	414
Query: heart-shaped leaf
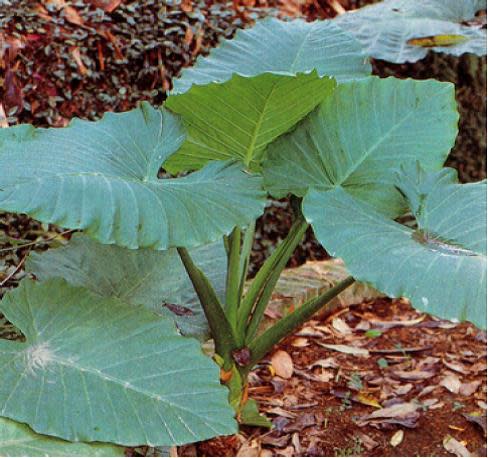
97	369
440	265
255	87
102	177
17	439
280	47
360	134
155	279
404	30
239	118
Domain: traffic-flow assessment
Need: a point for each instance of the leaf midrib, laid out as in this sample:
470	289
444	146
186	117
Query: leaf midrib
250	150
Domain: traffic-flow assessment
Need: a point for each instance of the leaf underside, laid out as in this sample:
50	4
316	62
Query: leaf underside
102	177
361	133
440	265
97	369
388	29
17	439
155	279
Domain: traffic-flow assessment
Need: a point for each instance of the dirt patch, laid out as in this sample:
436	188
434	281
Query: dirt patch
383	357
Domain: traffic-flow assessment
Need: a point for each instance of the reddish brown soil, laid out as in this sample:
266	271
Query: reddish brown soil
323	424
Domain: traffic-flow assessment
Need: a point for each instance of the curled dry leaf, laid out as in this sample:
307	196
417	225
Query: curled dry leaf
282	364
397	438
451	383
455	447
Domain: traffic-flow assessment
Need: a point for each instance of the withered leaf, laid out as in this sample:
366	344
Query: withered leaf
282	364
455	447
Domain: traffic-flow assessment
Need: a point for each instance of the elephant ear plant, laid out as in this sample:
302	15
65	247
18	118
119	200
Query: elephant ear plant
113	322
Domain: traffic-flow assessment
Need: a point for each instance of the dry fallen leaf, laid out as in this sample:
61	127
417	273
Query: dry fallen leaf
467	389
458	367
367	400
403	389
280	412
361	398
348	349
481	404
455	447
327	363
368	443
282	364
323	376
404	414
427	390
341	326
414	375
396	410
451	383
251	448
397	438
397	323
295	440
300	342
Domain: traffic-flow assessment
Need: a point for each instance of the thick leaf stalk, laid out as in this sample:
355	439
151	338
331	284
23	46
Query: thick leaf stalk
265	342
221	329
257	297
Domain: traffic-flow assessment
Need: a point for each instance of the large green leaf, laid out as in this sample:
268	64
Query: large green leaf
97	369
255	87
279	47
239	118
17	439
440	265
386	28
147	277
357	136
102	177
